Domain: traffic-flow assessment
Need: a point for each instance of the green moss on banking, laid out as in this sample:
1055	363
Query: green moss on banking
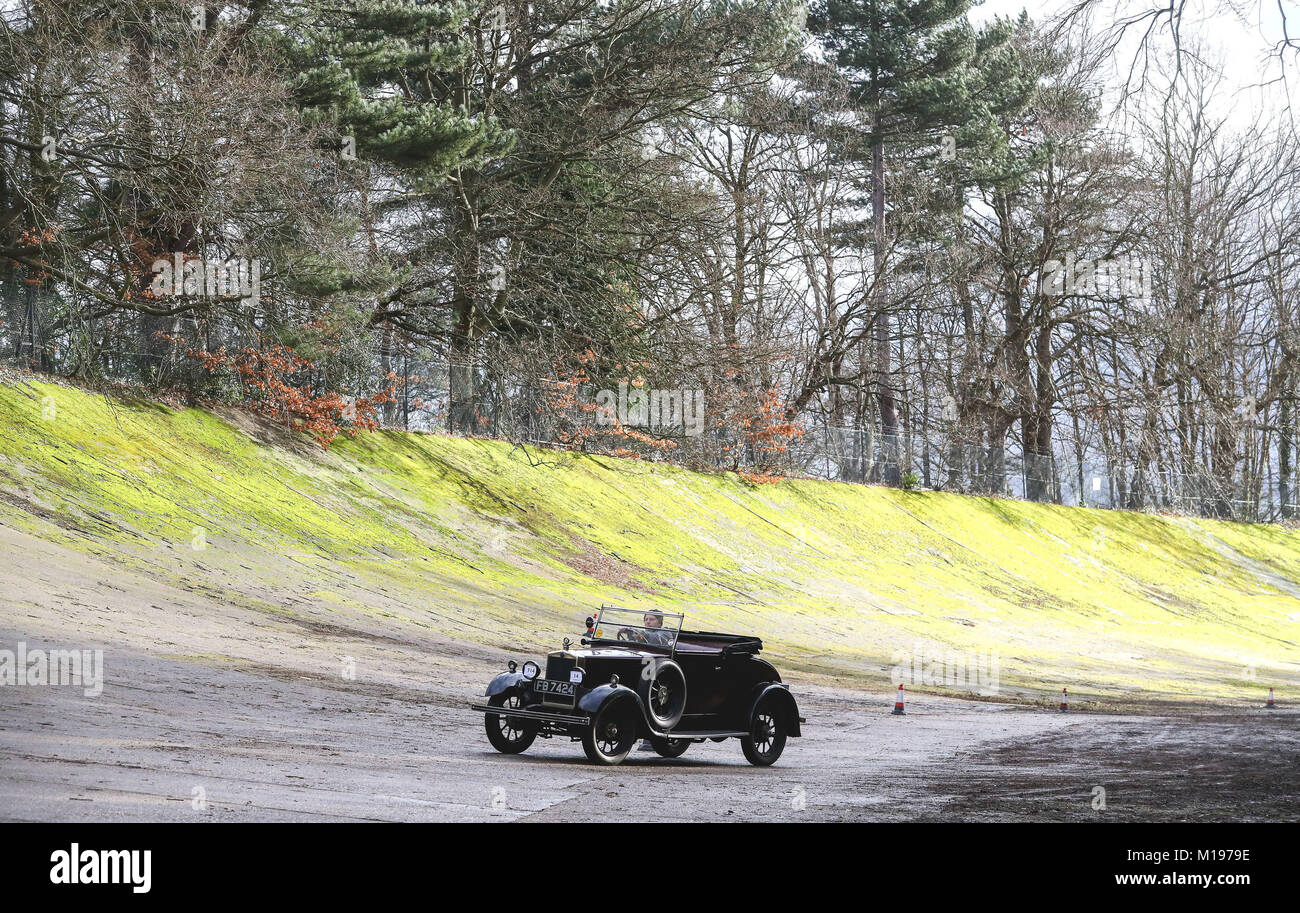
491	543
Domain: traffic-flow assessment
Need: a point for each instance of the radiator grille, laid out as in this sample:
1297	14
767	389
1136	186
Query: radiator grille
559	667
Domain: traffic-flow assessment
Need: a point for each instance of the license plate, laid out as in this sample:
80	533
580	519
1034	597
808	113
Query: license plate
559	689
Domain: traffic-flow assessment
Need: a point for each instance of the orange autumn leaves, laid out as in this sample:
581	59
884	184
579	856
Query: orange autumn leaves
762	431
272	386
750	430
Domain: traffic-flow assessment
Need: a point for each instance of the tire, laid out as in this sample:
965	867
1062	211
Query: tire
767	734
508	735
664	695
669	748
612	733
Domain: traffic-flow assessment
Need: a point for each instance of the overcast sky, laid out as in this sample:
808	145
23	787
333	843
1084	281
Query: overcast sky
1241	43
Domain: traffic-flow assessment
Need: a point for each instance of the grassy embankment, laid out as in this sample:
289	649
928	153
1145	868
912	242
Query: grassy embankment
511	547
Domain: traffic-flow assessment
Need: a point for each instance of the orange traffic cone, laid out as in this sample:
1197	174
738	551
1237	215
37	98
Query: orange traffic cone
1270	705
898	702
1065	700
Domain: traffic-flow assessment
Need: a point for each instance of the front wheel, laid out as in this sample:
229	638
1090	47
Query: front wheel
611	734
508	734
669	748
766	739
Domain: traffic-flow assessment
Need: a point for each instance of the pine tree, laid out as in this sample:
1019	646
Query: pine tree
387	78
910	64
384	72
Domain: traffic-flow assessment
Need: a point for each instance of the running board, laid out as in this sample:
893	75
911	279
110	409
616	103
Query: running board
570	719
575	720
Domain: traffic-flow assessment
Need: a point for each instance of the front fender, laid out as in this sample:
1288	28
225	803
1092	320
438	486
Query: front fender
506	681
780	694
600	696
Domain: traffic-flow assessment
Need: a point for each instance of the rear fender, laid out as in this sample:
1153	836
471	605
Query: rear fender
780	695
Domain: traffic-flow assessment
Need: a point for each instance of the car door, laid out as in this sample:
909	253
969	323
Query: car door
706	692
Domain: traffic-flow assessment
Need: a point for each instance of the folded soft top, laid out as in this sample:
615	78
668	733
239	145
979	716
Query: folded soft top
710	642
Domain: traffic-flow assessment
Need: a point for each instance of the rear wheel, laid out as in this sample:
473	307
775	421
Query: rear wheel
766	739
669	748
612	733
508	734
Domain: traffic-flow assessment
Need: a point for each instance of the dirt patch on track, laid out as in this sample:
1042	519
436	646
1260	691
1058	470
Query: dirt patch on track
1242	766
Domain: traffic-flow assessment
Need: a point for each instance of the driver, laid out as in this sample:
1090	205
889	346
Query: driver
654	623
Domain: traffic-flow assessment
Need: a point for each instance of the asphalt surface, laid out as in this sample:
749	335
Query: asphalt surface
174	741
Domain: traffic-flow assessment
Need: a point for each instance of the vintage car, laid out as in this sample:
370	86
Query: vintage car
639	675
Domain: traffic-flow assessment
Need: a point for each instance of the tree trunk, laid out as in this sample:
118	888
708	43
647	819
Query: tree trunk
1286	434
888	469
1037	431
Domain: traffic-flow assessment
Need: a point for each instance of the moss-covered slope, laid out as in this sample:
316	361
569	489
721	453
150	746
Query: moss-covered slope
509	546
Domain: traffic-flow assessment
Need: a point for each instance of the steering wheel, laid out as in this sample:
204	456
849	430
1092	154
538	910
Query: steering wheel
632	635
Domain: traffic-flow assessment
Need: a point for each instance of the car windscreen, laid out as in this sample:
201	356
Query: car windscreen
638	626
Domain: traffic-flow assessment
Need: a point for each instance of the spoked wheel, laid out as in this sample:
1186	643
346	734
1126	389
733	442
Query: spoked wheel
611	735
669	748
508	734
766	739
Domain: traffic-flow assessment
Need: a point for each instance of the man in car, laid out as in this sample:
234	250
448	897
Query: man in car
654	632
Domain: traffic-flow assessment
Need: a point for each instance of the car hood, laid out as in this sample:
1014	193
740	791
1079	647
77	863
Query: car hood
605	653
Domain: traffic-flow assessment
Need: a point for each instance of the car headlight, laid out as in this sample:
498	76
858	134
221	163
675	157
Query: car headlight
531	670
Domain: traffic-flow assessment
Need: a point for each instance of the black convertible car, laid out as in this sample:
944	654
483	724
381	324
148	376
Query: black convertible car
638	675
